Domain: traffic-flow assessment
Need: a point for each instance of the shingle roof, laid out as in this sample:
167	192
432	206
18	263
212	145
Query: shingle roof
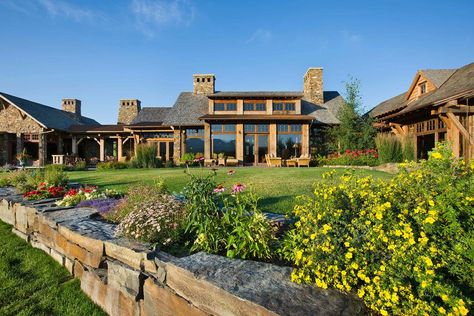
48	116
97	128
437	76
256	94
327	112
450	82
187	109
154	115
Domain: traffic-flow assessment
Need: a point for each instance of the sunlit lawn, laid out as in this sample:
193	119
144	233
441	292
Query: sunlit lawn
277	187
32	283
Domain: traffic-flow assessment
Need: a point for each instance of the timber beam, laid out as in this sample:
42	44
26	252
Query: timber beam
397	129
457	124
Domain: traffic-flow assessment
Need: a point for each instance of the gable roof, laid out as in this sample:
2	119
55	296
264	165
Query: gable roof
151	115
47	116
187	109
449	83
327	112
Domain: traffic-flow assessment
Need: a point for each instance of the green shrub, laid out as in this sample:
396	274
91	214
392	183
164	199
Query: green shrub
169	164
389	148
226	224
187	158
146	157
408	149
368	157
403	245
80	166
54	175
110	165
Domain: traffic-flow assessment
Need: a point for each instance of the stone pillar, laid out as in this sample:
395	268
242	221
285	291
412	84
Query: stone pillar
305	140
74	145
3	148
60	145
119	148
207	141
239	142
42	149
19	143
176	146
102	149
272	139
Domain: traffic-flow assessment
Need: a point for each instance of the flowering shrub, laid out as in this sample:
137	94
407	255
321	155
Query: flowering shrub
368	157
226	224
103	206
75	196
403	245
158	219
44	191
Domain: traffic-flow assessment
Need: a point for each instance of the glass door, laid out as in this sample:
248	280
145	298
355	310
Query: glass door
249	149
262	143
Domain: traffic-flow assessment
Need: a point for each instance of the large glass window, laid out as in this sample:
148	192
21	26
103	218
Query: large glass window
225	106
223	139
284	106
289	140
194	140
256	128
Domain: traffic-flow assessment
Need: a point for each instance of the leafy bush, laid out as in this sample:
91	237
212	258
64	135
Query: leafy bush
80	166
76	196
111	165
368	157
405	244
389	148
54	175
226	224
146	157
187	158
158	219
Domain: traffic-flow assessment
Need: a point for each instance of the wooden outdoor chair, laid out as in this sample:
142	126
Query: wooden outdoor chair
293	162
304	160
209	162
273	161
231	161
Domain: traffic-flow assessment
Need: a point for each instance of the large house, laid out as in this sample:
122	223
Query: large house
438	105
244	125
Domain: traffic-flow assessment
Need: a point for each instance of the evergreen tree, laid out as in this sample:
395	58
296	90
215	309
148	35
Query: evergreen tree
355	131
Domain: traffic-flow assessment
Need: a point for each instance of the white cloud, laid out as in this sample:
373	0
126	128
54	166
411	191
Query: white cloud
67	10
260	36
351	37
152	14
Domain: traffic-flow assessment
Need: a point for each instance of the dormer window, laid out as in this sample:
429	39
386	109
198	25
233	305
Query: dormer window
422	88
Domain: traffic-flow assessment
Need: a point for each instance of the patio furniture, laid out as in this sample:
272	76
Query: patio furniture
293	162
231	161
304	160
221	161
273	161
209	162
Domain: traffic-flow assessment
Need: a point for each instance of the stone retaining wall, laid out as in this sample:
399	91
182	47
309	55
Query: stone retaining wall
125	277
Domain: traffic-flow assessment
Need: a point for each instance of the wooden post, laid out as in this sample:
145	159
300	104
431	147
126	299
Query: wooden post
239	142
42	149
305	140
272	139
119	148
207	141
102	149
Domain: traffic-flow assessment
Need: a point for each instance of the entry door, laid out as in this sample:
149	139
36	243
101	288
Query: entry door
249	149
256	146
262	143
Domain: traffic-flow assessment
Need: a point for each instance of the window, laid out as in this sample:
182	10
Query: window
286	106
223	139
423	88
255	106
289	140
256	128
225	106
194	140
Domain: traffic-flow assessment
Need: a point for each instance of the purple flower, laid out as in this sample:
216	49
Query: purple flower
238	187
220	189
103	206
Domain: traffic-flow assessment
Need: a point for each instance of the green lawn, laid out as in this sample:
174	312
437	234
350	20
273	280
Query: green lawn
277	187
32	283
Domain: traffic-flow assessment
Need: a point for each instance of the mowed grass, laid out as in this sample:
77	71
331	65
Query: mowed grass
32	283
277	187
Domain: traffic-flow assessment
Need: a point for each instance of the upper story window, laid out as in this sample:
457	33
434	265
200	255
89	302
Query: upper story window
423	88
223	128
255	106
225	106
256	128
284	106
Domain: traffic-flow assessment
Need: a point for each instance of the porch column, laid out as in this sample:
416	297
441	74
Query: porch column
42	149
19	143
60	145
272	139
119	148
239	142
102	149
177	140
74	145
305	139
207	141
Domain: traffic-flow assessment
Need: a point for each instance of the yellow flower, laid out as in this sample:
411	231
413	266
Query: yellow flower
436	155
299	255
383	312
430	220
360	293
349	255
354	265
442	311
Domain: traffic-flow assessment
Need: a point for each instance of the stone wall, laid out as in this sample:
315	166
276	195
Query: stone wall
204	84
313	86
128	110
125	277
13	120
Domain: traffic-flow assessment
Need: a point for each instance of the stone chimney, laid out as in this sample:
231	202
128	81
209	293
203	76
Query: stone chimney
204	84
128	110
71	105
313	85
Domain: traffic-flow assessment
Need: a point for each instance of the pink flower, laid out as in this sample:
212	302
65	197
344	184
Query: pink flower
219	189
230	172
239	187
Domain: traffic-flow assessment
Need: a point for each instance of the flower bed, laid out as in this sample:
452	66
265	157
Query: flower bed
368	157
44	191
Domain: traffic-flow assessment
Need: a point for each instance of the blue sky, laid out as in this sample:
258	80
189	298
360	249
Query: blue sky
102	51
